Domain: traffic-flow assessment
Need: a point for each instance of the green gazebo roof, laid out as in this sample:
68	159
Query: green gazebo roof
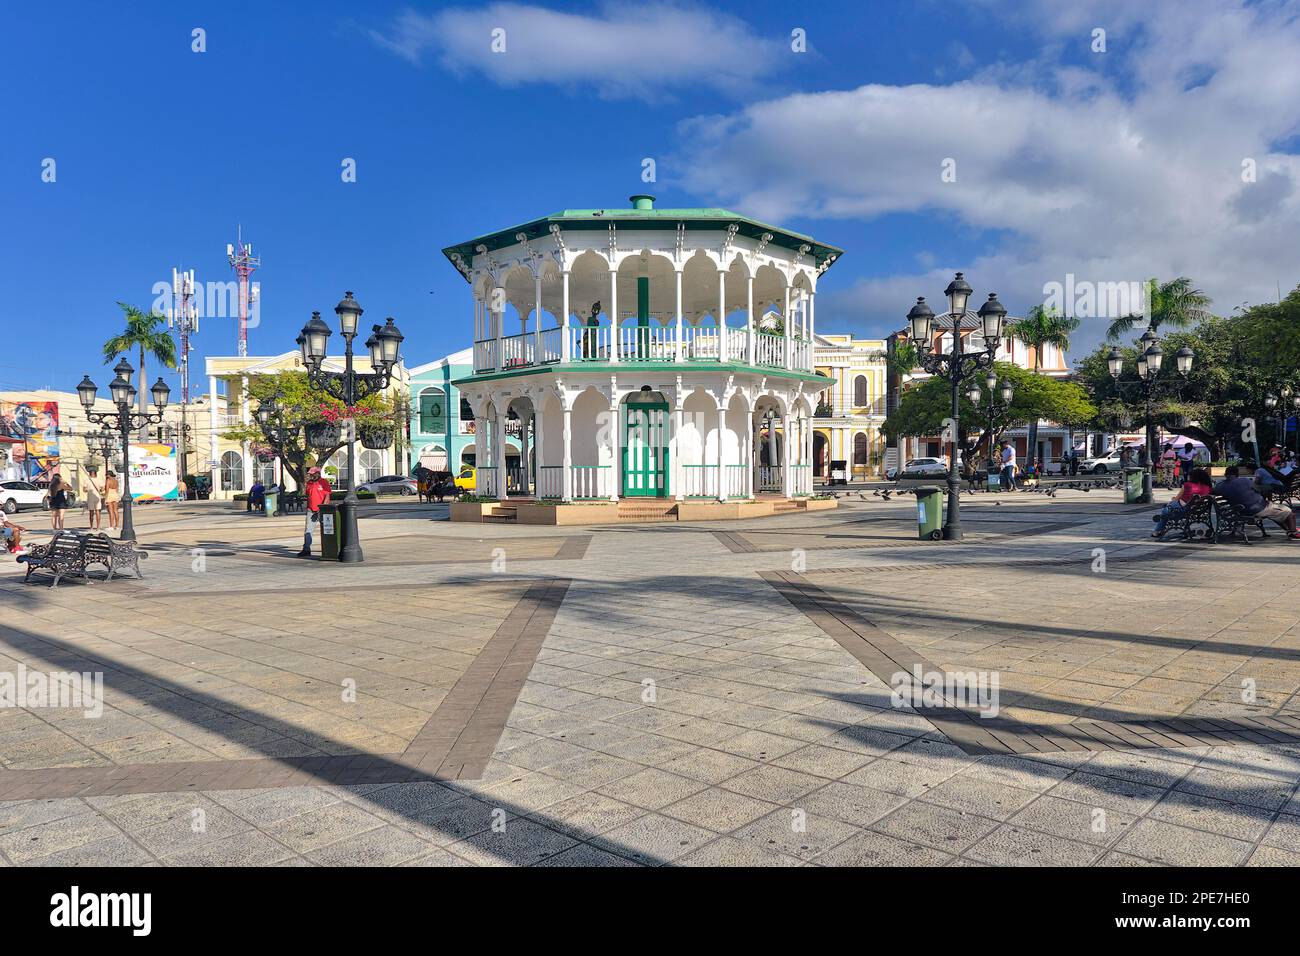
699	219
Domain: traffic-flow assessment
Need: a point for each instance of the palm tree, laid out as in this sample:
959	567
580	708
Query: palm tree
1042	326
148	335
1173	303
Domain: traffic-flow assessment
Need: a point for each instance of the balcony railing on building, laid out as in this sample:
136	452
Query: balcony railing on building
643	343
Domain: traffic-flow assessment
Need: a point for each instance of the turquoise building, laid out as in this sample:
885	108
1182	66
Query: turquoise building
442	425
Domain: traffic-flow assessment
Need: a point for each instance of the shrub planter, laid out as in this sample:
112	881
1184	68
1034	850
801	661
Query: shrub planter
322	434
375	436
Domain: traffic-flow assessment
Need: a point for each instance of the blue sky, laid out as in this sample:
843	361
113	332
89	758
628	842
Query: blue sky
1068	159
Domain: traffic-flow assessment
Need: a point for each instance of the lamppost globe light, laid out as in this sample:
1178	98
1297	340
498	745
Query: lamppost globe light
1142	366
317	334
992	313
349	312
1154	356
920	317
120	389
991	380
390	338
973	393
1295	402
1183	358
1148	339
1270	401
1007	393
161	392
86	391
958	293
1115	361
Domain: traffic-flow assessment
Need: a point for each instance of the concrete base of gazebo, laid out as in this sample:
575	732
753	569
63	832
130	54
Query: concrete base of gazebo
631	511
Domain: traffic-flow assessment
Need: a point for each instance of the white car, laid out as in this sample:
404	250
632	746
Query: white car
928	466
17	495
1102	465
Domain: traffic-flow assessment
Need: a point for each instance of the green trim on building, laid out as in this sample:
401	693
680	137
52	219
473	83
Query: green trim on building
646	366
599	219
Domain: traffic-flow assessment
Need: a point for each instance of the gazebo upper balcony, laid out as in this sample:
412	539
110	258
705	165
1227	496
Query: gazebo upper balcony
617	286
644	343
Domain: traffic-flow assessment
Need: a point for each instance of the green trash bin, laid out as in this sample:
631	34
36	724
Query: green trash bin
993	480
929	512
272	505
1133	485
331	532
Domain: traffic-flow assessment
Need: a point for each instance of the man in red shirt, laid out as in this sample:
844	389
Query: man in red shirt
318	492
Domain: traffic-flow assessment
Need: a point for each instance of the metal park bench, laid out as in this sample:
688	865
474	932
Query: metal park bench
291	503
1232	522
1198	514
70	553
1287	494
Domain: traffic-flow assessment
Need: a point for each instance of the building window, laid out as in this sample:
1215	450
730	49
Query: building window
336	469
860	447
232	471
264	471
860	397
370	464
433	411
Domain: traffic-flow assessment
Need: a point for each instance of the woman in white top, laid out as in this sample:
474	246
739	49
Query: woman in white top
94	498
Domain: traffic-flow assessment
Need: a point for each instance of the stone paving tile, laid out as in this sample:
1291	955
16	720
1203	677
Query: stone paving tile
718	810
869	848
318	828
1168	843
948	830
110	851
774	783
64	833
1010	845
653	839
585	855
518	843
651	789
1240	821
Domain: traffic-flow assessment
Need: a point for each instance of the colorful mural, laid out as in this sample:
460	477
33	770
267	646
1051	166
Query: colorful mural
35	425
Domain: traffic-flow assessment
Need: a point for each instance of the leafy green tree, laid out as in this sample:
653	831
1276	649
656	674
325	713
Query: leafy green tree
924	408
1041	327
301	404
146	335
1270	337
1174	303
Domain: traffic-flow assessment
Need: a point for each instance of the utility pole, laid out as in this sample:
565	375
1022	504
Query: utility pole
184	319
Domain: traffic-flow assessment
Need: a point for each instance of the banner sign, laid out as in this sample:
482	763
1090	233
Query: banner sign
34	426
153	473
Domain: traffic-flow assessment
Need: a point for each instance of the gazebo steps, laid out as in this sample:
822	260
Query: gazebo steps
502	513
633	510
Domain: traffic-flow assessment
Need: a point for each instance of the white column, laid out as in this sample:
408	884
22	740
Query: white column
677	422
566	338
499	451
786	323
214	452
747	454
613	313
616	468
480	449
772	461
523	453
539	458
787	457
244	420
751	330
812	314
566	477
722	320
537	308
722	456
680	343
498	361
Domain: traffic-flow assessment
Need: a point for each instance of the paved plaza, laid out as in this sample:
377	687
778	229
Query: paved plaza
673	693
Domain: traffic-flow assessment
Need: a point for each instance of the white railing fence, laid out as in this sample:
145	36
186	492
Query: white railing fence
550	481
592	481
767	478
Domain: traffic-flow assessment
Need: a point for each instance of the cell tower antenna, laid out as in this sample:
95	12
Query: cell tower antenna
183	317
242	260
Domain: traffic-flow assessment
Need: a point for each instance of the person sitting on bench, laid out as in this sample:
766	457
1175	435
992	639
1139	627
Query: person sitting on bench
257	496
1197	485
12	535
1239	489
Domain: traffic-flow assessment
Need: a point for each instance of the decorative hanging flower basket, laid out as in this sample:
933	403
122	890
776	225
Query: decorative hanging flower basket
264	454
375	436
322	434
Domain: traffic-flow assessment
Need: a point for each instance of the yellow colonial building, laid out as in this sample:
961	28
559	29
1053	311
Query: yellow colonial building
234	465
847	420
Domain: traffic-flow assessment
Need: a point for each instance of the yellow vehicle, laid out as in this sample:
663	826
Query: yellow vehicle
465	481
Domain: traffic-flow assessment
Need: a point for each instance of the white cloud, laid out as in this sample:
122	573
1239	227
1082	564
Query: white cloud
640	51
1127	170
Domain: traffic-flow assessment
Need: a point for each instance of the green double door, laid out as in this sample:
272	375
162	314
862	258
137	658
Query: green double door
645	450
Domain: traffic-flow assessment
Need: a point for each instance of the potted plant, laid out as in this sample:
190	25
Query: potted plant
324	431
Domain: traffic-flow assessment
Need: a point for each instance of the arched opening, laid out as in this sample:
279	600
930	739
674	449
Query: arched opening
644	443
861	392
434	457
861	452
232	471
821	458
433	411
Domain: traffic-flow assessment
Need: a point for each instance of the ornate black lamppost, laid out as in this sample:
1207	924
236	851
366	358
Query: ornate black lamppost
124	421
956	367
1279	404
104	442
350	387
993	408
1150	358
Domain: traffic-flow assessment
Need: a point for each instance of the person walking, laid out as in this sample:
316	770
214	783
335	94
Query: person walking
1008	459
112	499
58	497
318	492
94	498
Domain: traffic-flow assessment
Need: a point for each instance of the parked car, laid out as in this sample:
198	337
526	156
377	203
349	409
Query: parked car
1101	465
925	466
390	485
466	480
17	495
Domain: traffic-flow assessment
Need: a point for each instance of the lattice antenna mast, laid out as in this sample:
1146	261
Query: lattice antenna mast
183	317
241	258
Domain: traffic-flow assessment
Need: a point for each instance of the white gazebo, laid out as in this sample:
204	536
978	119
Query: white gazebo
643	353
